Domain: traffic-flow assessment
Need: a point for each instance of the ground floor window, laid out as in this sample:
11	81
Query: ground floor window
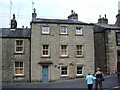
19	69
79	70
118	55
64	70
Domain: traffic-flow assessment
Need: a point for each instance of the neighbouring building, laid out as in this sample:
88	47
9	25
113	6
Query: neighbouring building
61	48
15	53
107	44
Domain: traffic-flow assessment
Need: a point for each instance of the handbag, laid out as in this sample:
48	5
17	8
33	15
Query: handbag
102	79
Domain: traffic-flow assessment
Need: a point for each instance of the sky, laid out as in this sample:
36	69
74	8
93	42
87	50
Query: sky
88	10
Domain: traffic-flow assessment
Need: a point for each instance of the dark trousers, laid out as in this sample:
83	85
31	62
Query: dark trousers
98	83
90	86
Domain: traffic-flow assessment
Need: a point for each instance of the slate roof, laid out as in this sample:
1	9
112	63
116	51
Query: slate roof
108	26
15	33
57	21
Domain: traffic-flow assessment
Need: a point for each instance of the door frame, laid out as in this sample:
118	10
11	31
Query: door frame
48	72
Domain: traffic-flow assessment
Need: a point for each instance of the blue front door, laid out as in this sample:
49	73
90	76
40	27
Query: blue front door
45	73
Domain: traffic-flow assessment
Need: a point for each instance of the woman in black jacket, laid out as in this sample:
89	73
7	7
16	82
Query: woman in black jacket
99	77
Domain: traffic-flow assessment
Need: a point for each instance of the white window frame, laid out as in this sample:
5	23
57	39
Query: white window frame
19	46
79	50
61	70
77	70
18	67
63	30
79	31
46	50
61	51
45	30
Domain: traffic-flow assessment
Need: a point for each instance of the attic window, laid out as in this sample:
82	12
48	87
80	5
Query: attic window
45	29
19	46
63	30
78	30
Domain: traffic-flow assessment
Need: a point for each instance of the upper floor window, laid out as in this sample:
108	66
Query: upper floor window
79	50
118	38
64	50
19	68
19	46
45	30
63	30
45	50
78	30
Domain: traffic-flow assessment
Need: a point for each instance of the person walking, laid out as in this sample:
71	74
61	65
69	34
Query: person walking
99	79
90	80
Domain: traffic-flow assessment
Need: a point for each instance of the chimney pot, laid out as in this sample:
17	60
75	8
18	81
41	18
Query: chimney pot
100	16
34	15
73	16
13	22
23	27
105	16
72	11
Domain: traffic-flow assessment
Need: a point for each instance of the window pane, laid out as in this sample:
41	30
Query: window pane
17	42
21	64
78	30
18	67
21	71
16	64
63	49
63	30
45	29
63	53
16	71
19	46
64	70
21	42
46	53
118	38
79	50
79	72
45	50
79	69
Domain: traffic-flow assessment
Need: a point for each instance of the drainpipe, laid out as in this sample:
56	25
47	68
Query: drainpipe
106	51
105	45
30	57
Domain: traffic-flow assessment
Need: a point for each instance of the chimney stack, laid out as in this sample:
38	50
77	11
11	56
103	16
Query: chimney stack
13	23
118	15
73	16
103	20
34	14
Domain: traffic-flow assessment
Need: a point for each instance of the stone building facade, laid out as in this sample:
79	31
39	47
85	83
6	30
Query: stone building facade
15	53
106	47
61	49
